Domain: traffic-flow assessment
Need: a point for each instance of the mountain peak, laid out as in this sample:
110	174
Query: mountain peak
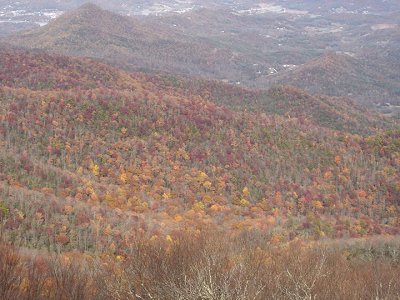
89	6
88	13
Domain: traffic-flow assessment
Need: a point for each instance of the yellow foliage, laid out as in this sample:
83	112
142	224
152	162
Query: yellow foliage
317	204
343	178
268	261
256	209
108	230
178	218
123	177
264	204
80	171
124	130
215	207
95	169
397	186
198	206
133	201
328	175
275	211
65	260
68	209
183	154
89	189
119	258
276	238
244	203
320	233
93	196
166	195
358	228
270	220
121	193
202	176
108	198
207	199
169	239
241	225
246	192
391	210
207	185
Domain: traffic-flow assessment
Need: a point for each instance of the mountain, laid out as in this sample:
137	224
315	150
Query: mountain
138	6
151	160
329	54
337	113
134	44
128	43
121	185
134	186
343	75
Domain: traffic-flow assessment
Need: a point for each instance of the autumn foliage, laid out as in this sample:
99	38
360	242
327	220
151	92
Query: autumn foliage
108	165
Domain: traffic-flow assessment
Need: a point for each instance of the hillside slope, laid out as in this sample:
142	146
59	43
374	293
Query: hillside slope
128	43
129	158
342	75
338	113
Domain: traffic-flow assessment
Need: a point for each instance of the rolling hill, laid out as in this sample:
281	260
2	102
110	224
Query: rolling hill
343	75
337	113
151	160
148	185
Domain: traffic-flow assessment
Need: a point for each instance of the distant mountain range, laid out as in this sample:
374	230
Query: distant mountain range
129	43
137	6
341	74
257	51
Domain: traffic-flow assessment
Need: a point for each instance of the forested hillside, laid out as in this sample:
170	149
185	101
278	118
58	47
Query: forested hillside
118	141
151	190
129	43
199	150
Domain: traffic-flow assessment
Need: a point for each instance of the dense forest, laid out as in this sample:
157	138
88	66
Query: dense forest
118	185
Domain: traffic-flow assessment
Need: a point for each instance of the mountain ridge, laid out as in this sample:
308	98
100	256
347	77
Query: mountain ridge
125	142
176	44
337	74
123	41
